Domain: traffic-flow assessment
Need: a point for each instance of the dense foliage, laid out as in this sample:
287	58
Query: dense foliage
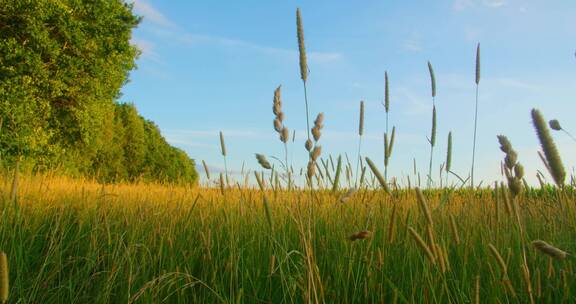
62	64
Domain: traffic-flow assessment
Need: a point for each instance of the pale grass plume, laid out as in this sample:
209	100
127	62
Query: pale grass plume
549	250
549	147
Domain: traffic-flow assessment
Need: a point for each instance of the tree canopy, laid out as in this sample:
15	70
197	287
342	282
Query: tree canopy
62	65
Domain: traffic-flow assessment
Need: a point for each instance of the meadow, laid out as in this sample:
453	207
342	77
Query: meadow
337	231
74	241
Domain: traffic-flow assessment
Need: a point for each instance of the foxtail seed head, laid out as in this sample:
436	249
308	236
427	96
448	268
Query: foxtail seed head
386	93
549	250
361	126
301	47
222	145
478	64
432	79
550	151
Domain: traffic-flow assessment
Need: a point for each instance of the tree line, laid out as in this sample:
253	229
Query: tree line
62	65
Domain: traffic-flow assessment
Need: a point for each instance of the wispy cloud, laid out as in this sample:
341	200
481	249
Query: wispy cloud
413	43
460	5
151	14
163	27
148	49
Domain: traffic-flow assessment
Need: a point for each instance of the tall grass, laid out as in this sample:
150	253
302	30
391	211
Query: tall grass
477	81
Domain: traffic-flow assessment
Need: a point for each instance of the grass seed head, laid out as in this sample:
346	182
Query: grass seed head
301	47
550	250
550	151
555	125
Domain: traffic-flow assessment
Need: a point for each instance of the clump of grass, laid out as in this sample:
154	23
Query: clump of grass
553	160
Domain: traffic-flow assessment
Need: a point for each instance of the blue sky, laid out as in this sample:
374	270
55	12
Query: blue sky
208	66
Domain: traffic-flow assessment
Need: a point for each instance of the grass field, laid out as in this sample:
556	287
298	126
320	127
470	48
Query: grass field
72	241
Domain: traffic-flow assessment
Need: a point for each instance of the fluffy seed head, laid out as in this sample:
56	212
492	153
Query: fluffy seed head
277	125
433	134
361	126
316	153
311	169
277	103
206	169
284	135
550	151
432	79
549	250
478	64
222	145
301	47
263	161
386	93
308	145
555	125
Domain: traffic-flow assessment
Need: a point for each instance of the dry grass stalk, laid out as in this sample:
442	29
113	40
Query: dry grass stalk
500	260
391	224
423	246
440	256
454	229
4	278
527	279
424	206
259	180
550	250
432	241
477	290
